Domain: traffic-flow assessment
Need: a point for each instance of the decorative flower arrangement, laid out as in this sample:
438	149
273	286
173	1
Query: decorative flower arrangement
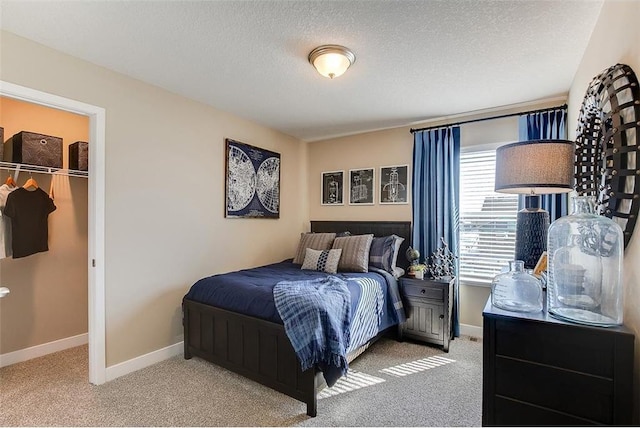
417	267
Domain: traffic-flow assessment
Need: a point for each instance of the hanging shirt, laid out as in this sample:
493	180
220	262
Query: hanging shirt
29	211
5	222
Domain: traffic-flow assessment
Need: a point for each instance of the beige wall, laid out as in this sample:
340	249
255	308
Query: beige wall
395	147
165	225
615	39
48	299
370	150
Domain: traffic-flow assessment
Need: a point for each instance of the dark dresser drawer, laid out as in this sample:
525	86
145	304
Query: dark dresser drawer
508	410
589	396
581	350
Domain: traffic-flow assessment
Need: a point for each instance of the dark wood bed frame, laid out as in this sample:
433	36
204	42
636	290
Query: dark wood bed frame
260	350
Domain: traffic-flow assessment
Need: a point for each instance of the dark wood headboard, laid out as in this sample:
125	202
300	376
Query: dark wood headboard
378	228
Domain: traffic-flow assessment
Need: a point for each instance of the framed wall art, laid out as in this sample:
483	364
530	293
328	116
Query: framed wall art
332	188
361	186
252	181
394	184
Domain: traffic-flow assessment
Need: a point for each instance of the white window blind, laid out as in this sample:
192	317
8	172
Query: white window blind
487	220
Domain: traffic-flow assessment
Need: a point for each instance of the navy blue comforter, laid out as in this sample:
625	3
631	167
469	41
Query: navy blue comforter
250	291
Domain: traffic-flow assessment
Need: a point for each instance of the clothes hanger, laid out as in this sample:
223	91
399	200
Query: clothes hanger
30	183
9	182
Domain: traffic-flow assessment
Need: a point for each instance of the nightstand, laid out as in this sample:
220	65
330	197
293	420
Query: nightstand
427	303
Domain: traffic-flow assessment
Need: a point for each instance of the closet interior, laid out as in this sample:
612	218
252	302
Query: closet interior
47	306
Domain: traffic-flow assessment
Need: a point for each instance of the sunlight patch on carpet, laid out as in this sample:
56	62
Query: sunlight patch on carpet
352	381
417	366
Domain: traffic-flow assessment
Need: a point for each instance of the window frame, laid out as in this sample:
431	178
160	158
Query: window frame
514	200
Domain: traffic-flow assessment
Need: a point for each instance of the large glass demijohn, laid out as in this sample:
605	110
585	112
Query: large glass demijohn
585	252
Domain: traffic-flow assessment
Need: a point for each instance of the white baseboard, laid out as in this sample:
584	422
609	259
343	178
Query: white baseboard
44	349
143	361
471	330
130	366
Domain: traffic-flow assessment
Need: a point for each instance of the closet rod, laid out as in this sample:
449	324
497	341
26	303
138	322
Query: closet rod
562	107
8	166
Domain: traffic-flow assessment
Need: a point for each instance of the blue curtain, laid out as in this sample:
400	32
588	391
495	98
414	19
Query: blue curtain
436	196
548	125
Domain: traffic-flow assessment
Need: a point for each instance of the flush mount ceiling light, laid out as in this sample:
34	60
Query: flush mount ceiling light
331	60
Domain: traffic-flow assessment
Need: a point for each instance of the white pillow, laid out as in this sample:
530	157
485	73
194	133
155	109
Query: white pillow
396	248
322	260
398	272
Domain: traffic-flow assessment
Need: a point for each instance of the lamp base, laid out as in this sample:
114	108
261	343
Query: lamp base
531	235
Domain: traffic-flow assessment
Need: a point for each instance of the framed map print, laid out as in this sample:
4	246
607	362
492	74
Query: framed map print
252	181
332	188
361	186
394	184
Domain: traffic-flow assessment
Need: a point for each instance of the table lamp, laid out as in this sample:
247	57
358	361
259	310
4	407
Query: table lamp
534	168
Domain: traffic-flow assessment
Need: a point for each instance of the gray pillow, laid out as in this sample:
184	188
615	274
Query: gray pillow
315	241
355	252
381	253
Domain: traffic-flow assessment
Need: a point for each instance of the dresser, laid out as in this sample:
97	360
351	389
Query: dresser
538	370
427	303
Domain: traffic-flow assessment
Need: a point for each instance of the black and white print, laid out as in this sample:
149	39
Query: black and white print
252	181
361	186
394	184
332	191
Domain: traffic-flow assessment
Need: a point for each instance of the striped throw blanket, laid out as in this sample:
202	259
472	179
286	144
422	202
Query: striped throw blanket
316	315
366	318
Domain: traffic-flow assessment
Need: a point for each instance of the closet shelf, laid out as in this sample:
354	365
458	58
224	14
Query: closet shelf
43	169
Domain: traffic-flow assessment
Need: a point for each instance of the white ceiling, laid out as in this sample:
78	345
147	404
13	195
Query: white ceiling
415	60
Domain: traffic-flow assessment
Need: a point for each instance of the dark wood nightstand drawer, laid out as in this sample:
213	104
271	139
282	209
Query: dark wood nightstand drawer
411	289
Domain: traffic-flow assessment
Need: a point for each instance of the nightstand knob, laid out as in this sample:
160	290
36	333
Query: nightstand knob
423	291
441	316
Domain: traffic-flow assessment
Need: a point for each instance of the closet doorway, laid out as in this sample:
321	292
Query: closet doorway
96	214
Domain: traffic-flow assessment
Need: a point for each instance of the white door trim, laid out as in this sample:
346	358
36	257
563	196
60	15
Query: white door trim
96	250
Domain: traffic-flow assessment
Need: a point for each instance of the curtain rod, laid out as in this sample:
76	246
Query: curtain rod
562	107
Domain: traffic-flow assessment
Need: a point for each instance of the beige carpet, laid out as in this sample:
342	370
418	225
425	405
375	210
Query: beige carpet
393	384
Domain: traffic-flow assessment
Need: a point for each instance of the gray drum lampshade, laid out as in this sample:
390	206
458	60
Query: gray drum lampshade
535	167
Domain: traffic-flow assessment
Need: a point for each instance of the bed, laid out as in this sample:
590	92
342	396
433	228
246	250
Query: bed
258	347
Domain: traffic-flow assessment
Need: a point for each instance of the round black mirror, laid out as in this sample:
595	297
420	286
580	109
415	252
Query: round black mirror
608	144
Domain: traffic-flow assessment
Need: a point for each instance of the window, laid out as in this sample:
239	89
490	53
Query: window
487	220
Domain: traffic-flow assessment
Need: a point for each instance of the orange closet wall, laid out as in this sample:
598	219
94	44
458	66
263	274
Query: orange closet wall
49	291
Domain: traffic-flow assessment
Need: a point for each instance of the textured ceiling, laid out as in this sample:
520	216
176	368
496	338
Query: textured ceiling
416	60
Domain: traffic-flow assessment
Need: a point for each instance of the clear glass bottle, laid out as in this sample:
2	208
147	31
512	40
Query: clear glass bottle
517	290
585	252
